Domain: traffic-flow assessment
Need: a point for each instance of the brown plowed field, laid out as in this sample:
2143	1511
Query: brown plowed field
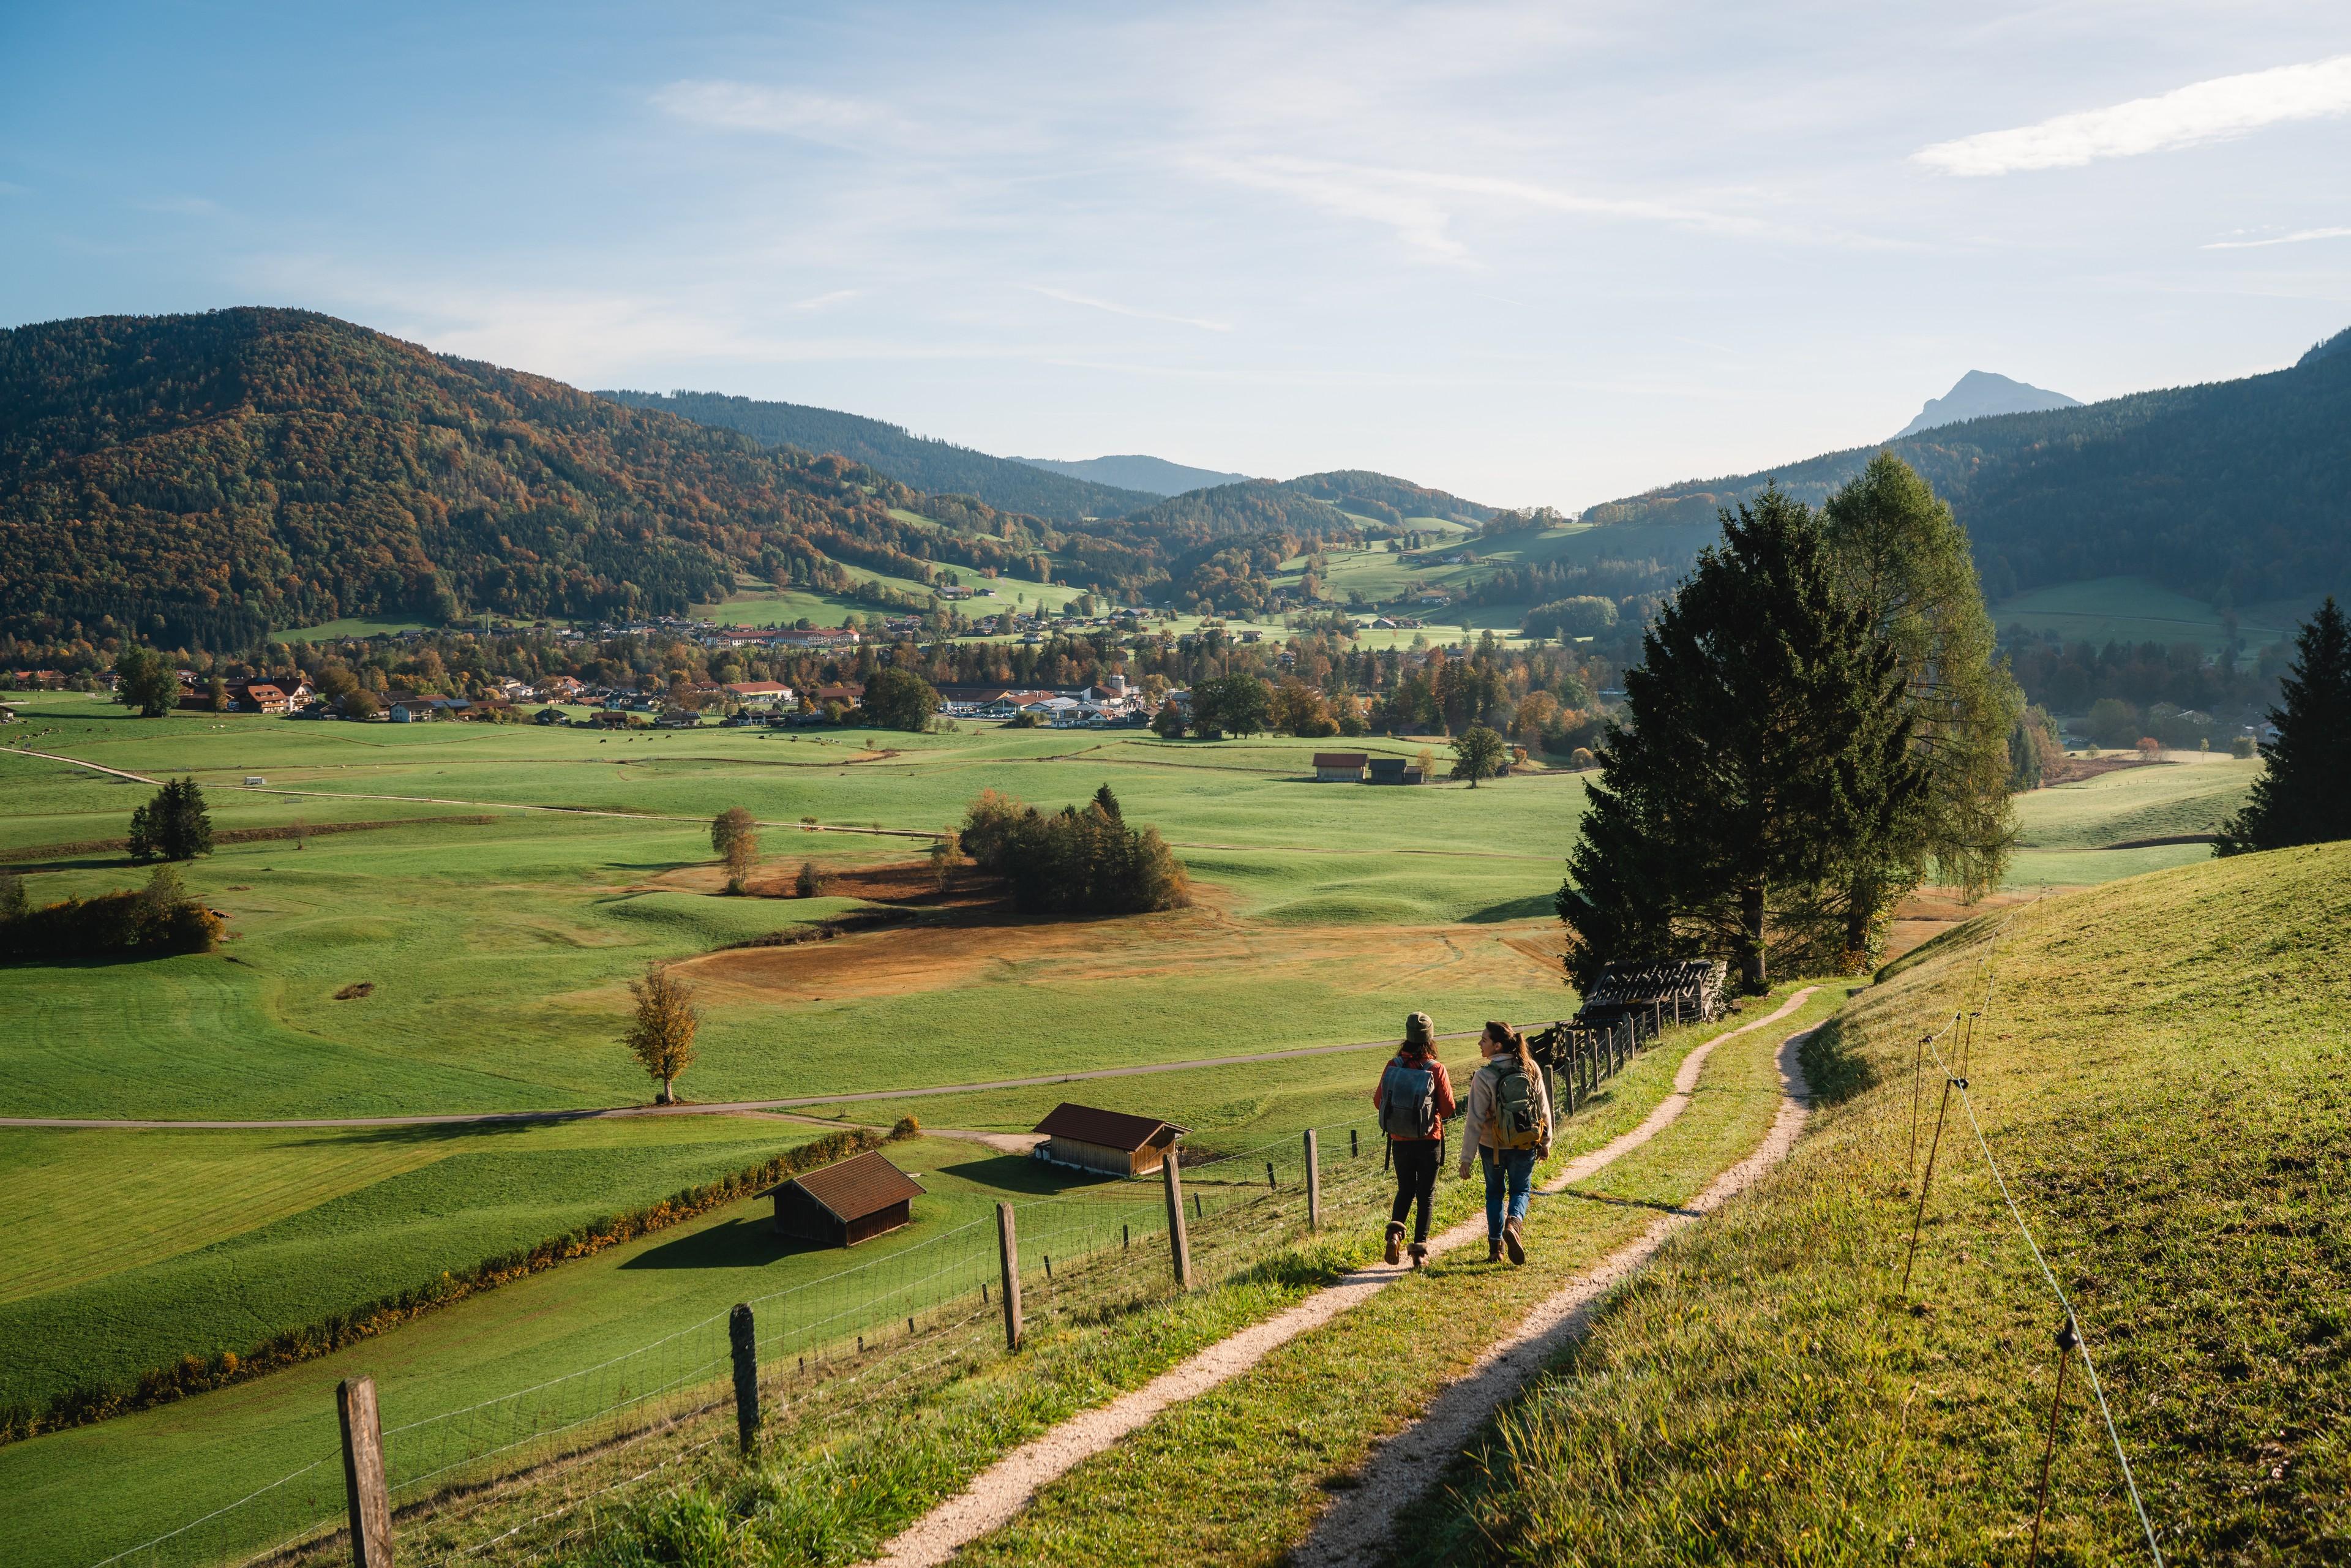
975	945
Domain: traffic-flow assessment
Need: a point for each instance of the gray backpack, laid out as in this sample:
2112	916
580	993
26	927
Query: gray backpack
1408	1100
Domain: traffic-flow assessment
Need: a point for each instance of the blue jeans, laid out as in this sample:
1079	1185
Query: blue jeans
1517	1166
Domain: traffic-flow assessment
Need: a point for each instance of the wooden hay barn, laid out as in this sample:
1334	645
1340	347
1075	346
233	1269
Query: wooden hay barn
1339	766
1108	1141
844	1204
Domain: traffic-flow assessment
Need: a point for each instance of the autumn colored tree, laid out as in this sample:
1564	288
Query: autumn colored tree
661	1036
1480	753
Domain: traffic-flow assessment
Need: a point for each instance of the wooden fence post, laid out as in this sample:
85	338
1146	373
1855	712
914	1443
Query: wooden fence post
744	1343
1179	1246
1007	1252
1313	1184
363	1473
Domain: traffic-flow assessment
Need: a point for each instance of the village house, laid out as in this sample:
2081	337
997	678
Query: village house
264	697
1111	1140
760	693
844	1204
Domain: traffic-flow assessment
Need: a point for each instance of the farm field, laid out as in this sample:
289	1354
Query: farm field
498	951
2064	830
2132	609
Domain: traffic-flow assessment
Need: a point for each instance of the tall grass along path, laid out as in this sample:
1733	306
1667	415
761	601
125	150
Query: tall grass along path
1001	1491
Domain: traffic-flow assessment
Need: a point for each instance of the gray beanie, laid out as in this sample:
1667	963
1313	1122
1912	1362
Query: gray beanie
1418	1030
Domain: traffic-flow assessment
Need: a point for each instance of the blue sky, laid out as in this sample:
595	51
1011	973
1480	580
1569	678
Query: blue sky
1531	254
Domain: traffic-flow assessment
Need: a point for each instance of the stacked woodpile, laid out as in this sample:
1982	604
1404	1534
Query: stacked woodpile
1688	991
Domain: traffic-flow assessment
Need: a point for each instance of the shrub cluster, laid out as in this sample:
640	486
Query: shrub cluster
1073	861
156	919
194	1375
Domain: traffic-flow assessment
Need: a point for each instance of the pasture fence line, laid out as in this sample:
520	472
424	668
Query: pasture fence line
2070	1339
830	1347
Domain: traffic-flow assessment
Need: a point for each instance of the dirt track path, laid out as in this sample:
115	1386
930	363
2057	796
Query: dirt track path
1356	1527
1003	1489
721	1108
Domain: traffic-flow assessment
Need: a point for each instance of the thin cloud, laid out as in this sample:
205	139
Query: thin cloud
819	301
1116	309
2300	236
781	111
2201	112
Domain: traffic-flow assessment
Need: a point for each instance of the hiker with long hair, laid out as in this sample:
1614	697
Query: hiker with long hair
1414	1097
1508	1129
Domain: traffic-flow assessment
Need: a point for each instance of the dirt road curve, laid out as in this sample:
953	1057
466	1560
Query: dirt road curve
1006	1488
723	1108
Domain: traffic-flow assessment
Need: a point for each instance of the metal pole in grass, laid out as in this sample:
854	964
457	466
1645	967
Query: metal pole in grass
1179	1246
2067	1339
1271	1185
1007	1252
363	1485
1313	1184
1928	1182
743	1342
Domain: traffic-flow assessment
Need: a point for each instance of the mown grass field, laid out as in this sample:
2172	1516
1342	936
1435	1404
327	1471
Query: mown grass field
498	951
2161	1076
2132	609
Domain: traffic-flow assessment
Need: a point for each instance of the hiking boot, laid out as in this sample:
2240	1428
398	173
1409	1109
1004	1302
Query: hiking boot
1419	1254
1493	1249
1513	1241
1395	1241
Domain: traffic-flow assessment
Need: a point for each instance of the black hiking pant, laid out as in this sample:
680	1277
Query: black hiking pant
1417	1160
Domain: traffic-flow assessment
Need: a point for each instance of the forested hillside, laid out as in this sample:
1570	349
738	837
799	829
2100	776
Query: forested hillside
2234	492
1009	484
199	480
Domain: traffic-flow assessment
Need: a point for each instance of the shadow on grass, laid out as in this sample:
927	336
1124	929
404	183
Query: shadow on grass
1534	907
749	1242
1018	1173
1834	1069
425	1134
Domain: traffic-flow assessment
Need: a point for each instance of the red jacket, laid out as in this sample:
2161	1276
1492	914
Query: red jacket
1444	1106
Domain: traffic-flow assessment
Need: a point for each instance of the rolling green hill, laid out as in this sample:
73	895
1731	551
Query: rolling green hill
2230	488
940	467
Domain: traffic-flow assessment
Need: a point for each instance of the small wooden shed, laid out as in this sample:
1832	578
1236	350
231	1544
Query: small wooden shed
1112	1141
1339	766
843	1204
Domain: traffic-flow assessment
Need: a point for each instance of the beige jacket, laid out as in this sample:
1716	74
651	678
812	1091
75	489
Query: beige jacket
1478	1127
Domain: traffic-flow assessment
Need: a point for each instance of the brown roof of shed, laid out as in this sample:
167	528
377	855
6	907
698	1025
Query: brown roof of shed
1110	1129
863	1185
1340	759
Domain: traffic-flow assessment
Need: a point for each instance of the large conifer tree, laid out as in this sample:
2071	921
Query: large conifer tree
1900	555
2304	796
1766	733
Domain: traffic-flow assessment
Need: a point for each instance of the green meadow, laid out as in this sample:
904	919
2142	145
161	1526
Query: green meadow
2132	609
495	954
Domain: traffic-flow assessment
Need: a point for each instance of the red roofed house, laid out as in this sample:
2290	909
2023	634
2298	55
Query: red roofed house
1339	767
1108	1141
267	698
844	1204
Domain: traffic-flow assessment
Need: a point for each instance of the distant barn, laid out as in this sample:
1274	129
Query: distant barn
1108	1141
1339	766
1394	771
845	1204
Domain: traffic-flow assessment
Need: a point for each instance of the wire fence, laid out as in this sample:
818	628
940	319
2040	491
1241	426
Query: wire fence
830	1346
2073	1340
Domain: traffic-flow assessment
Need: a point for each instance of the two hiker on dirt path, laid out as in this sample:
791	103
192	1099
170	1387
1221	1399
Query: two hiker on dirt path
1413	1098
1509	1130
1508	1127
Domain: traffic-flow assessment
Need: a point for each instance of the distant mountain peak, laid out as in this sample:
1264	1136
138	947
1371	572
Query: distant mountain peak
1136	471
1980	394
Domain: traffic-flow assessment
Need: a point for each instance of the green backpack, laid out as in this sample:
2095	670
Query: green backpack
1518	1115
